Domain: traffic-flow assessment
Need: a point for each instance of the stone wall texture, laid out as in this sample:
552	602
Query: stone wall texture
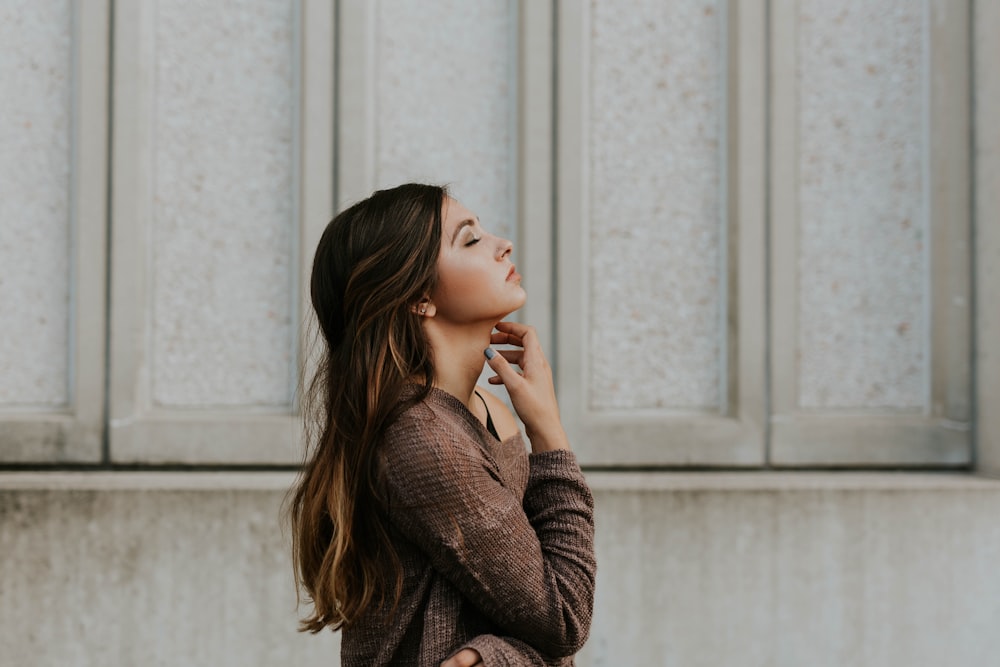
223	259
655	228
35	231
864	226
445	99
741	570
117	568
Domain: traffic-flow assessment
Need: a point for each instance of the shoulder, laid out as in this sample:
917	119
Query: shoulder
420	421
504	420
427	429
429	450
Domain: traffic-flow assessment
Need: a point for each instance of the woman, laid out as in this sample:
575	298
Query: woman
422	528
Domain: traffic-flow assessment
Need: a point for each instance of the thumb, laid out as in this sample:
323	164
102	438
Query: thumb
501	367
464	658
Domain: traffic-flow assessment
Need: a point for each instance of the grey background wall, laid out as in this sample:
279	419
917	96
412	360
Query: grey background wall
801	569
760	238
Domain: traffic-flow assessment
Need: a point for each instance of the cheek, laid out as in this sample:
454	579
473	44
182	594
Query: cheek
460	281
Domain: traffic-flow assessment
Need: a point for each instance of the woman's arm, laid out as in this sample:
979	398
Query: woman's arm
530	568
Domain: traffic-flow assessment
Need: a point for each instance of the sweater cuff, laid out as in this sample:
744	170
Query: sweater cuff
503	652
552	460
555	482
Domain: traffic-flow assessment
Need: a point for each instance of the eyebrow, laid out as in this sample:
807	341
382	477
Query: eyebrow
461	225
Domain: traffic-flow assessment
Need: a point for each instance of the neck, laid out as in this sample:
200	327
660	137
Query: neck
458	356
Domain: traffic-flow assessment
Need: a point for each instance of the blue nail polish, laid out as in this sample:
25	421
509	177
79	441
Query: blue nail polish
489	353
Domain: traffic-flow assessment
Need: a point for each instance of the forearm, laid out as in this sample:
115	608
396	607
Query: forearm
547	438
526	562
560	508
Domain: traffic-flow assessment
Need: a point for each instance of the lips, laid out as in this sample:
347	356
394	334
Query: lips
513	274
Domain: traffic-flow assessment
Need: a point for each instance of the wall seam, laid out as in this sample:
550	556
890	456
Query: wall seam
109	185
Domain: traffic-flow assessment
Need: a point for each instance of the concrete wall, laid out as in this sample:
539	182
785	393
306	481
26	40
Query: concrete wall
776	570
208	240
148	570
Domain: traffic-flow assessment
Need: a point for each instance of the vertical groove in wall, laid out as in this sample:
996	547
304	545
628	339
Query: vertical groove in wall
973	256
554	200
514	121
108	305
335	73
728	292
296	218
768	387
73	237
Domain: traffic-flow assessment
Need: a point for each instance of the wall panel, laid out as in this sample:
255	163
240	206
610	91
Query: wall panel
660	230
36	89
862	160
870	260
222	209
53	189
220	108
657	206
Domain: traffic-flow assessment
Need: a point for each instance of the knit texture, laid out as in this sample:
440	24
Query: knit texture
497	547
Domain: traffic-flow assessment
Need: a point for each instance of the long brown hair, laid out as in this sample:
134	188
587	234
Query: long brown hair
373	264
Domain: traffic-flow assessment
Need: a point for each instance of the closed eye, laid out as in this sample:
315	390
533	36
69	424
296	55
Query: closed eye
473	241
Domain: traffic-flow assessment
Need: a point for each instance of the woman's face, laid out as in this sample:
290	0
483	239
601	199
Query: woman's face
476	280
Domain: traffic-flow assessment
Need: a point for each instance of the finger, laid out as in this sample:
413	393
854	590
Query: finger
516	329
496	379
503	338
525	334
512	356
467	657
508	376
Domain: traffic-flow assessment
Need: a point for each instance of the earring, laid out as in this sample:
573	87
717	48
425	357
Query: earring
423	309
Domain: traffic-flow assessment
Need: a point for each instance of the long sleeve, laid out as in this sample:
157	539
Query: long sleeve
527	567
508	652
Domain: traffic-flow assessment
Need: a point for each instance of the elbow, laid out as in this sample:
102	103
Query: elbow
569	615
567	636
563	645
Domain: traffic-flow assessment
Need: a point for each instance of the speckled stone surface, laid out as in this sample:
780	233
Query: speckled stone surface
123	573
152	578
222	300
656	109
863	220
445	103
35	98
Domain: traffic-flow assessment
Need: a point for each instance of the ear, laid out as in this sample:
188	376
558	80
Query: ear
424	308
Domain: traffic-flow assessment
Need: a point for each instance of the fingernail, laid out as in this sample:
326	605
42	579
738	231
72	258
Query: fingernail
489	353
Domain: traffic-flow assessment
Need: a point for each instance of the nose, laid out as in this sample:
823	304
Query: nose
506	247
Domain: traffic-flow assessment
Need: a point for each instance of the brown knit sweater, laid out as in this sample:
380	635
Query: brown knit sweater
497	547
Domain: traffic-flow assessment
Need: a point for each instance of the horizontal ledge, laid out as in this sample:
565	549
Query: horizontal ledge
788	481
147	481
599	481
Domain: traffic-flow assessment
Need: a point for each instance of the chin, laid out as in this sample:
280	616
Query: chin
519	303
506	312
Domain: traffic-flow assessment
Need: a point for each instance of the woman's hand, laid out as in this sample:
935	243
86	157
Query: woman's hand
531	391
467	657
